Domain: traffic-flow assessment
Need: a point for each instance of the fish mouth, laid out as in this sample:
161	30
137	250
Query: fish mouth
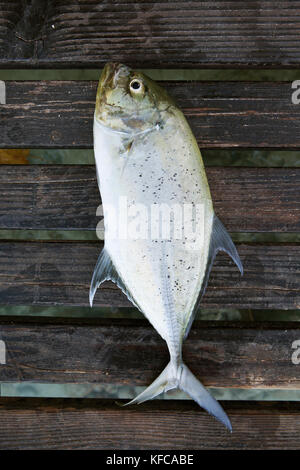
113	75
108	73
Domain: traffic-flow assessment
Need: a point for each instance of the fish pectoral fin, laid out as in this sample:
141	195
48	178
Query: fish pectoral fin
221	241
106	271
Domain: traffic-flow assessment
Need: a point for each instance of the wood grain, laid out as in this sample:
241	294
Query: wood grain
178	34
65	197
101	424
41	273
130	352
51	114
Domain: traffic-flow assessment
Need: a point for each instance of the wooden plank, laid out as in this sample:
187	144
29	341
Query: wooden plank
174	34
66	197
53	114
101	424
130	352
59	274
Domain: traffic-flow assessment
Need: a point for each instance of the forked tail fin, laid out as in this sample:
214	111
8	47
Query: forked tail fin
187	382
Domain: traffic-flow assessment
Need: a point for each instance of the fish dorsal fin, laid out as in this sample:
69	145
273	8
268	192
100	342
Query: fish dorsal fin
220	240
106	271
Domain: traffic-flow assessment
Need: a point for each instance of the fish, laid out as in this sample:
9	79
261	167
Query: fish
161	232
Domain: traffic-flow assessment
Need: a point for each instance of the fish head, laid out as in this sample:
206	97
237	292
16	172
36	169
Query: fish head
129	101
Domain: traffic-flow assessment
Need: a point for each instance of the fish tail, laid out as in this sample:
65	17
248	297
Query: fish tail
183	379
193	387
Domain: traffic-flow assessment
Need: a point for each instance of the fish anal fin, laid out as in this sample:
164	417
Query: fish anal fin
106	271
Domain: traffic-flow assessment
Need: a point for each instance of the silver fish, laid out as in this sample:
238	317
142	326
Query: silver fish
147	159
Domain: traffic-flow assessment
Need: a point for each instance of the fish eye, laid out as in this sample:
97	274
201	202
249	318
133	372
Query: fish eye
136	86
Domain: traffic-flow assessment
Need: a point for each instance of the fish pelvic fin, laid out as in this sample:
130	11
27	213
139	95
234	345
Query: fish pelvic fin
183	379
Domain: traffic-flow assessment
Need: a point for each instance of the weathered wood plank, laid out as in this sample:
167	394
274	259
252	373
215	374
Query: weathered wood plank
130	352
66	197
55	114
178	34
60	273
101	424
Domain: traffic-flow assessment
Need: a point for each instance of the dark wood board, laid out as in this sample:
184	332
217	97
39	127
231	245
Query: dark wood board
130	352
161	425
59	273
62	197
177	34
59	114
